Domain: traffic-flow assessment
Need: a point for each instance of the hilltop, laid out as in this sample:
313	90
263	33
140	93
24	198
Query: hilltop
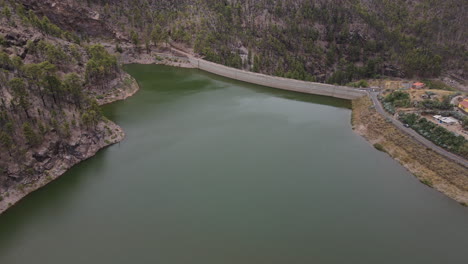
335	41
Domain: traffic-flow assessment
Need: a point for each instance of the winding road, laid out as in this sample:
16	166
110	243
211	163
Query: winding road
378	106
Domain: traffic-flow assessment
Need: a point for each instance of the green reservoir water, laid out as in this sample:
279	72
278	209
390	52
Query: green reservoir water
215	171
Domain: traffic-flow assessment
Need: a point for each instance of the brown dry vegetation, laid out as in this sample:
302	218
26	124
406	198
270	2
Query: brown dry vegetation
429	167
416	95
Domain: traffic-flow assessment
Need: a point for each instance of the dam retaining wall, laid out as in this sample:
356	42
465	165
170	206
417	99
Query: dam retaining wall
278	82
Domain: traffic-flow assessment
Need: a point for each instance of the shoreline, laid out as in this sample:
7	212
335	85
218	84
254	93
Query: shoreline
454	187
125	90
429	167
448	178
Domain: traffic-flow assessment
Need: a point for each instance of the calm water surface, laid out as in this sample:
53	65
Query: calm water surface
215	171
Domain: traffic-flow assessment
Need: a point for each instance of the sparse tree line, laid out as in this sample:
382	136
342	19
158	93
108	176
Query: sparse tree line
37	99
13	8
307	40
46	96
101	66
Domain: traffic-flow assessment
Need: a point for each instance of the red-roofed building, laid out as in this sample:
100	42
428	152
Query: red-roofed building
418	85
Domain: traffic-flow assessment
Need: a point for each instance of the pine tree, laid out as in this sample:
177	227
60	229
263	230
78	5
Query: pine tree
31	137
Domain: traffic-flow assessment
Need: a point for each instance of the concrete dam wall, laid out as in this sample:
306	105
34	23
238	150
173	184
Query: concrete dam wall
278	82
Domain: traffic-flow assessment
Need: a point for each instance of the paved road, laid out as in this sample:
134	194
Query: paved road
373	94
414	134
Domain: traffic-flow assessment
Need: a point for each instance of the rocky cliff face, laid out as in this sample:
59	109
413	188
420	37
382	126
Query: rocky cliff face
50	87
71	16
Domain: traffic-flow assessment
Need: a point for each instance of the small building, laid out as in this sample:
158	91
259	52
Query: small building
463	105
405	86
418	85
446	120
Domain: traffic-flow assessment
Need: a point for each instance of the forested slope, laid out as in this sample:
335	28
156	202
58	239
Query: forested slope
49	118
325	40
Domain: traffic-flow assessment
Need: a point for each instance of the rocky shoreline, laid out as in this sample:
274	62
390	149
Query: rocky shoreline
420	162
80	147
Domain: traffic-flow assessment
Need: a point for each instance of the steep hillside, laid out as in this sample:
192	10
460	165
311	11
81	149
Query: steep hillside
332	41
49	116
